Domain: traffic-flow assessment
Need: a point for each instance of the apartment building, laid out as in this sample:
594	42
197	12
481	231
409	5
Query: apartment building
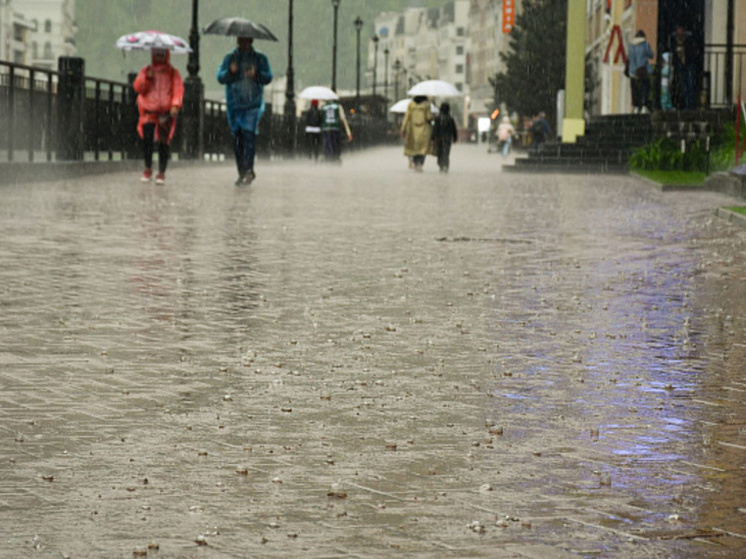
15	34
37	32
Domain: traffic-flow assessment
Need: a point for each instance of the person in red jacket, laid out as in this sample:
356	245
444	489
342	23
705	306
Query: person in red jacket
160	95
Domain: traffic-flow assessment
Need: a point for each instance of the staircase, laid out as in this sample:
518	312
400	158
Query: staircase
608	142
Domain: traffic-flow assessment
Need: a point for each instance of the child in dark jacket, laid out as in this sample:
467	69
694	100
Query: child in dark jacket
444	134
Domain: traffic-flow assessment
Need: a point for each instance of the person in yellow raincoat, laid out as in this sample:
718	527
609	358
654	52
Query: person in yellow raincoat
416	130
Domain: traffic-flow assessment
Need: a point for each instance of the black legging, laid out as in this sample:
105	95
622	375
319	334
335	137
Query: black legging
164	151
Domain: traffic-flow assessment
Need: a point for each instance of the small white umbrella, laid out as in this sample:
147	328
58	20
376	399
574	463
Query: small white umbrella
401	107
148	40
318	92
434	88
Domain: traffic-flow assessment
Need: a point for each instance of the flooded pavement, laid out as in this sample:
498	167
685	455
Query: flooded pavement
359	361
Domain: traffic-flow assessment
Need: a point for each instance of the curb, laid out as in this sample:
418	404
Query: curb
731	217
669	187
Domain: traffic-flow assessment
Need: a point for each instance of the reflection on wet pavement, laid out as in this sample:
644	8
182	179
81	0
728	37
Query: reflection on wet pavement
360	361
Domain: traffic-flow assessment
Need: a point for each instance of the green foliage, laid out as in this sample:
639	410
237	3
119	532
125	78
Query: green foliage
100	23
535	61
665	154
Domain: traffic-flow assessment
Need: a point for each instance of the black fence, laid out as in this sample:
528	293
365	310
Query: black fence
722	74
64	115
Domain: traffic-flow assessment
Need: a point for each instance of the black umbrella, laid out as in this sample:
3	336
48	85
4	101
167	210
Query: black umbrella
239	27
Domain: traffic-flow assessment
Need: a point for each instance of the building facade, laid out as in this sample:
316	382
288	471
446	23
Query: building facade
37	32
720	69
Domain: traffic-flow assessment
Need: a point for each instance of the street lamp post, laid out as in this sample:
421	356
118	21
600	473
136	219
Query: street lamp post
290	85
194	92
397	67
375	62
386	73
358	26
335	5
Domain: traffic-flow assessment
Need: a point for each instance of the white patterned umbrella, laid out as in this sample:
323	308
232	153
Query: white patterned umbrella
148	40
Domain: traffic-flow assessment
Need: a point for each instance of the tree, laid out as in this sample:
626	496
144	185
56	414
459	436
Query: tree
535	61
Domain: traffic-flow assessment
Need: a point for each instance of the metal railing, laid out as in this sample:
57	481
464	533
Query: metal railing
723	79
27	112
36	122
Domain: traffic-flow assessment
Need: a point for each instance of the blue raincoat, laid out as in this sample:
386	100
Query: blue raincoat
244	97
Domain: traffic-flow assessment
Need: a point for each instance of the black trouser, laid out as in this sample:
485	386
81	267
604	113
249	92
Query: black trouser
164	151
640	91
314	143
444	152
332	145
244	147
418	159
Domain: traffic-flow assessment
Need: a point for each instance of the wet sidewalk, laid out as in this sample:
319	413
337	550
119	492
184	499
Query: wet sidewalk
360	361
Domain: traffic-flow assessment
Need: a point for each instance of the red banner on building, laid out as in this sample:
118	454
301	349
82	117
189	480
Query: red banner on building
508	15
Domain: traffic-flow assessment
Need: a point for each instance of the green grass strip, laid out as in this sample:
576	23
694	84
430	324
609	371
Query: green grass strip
673	177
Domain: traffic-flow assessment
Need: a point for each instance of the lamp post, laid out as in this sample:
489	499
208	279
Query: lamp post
335	5
194	92
397	67
358	26
290	85
375	61
386	74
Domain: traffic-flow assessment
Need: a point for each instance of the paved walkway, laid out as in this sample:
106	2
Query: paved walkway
360	361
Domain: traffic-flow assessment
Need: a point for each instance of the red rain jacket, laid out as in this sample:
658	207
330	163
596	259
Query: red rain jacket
156	96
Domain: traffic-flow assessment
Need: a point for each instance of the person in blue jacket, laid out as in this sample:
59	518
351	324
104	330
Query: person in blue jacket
244	72
640	71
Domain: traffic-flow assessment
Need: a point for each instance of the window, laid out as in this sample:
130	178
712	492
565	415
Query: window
459	50
460	31
459	68
48	50
48	26
34	50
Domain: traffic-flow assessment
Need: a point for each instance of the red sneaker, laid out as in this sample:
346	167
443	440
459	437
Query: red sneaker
146	175
161	178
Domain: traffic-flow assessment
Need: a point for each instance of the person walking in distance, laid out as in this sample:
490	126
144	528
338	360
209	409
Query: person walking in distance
160	96
333	119
416	131
540	130
444	135
639	72
505	133
314	119
244	72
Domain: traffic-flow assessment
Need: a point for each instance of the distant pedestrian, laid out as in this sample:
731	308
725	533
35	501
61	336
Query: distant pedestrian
639	72
666	72
685	69
444	134
540	130
244	72
313	120
416	131
333	121
160	95
505	133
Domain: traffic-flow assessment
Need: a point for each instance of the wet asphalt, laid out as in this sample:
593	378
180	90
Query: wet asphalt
363	361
